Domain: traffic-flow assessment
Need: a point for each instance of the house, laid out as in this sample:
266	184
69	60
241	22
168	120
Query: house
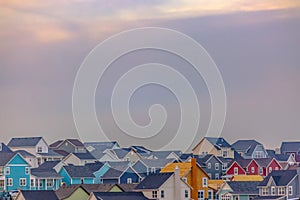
79	158
36	195
149	166
97	148
14	172
194	176
69	145
36	146
4	148
212	165
117	196
215	186
166	186
30	158
120	172
250	149
267	165
233	190
73	192
236	168
281	184
290	148
120	154
285	160
76	175
216	146
45	177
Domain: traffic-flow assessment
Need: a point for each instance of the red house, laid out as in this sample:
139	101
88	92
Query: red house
253	168
235	169
267	165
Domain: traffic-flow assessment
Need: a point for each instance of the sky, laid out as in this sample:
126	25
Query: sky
255	45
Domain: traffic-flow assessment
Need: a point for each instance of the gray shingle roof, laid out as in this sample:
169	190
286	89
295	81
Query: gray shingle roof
24	153
49	164
51	153
79	171
5	148
55	144
120	195
24	142
76	142
218	142
85	156
5	157
280	177
263	162
99	147
244	187
289	147
114	172
157	163
165	154
45	173
37	194
65	192
154	181
246	146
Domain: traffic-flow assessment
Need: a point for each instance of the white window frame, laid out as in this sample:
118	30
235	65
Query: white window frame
235	170
273	190
7	170
22	182
27	170
154	194
9	182
224	166
201	193
290	190
39	149
252	169
186	194
32	182
162	194
153	169
281	191
217	166
208	165
129	180
217	176
204	182
210	192
184	179
270	169
264	191
261	171
49	182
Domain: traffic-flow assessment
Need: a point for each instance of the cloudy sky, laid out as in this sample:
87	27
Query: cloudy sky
255	45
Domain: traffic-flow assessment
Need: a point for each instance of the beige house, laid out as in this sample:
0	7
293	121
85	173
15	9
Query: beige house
216	146
165	186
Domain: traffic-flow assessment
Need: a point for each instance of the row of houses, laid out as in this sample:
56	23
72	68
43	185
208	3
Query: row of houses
31	164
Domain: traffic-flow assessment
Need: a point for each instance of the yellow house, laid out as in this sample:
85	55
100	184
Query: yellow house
195	177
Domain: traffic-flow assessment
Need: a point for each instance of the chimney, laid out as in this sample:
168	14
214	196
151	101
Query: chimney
194	176
177	183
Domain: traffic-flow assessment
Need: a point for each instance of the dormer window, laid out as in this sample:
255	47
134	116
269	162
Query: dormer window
39	149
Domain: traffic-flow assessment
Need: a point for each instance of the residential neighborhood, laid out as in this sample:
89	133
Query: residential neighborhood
215	169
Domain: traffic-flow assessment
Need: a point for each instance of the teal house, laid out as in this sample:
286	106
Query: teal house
76	175
14	172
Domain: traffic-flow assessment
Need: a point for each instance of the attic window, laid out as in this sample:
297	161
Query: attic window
154	194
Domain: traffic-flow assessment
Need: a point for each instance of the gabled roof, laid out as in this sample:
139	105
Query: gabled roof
246	146
45	173
165	154
94	166
61	152
218	142
37	194
5	148
84	156
244	187
51	153
56	144
127	187
79	171
97	187
280	177
49	164
5	158
154	181
186	156
202	160
263	162
122	152
97	148
141	150
243	162
25	153
115	172
67	191
119	196
157	163
24	142
289	147
75	142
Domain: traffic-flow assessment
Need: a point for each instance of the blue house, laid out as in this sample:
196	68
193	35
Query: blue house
212	165
120	172
249	149
14	172
76	175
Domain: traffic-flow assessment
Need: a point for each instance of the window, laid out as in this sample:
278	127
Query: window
264	191
216	166
1	171
217	176
225	197
276	168
162	194
39	149
252	170
7	170
204	182
225	154
210	194
22	181
281	191
258	154
273	191
186	194
290	190
200	194
224	166
32	183
208	165
40	183
153	170
154	194
49	183
27	170
236	171
9	182
236	198
270	169
1	184
184	179
260	170
129	180
82	181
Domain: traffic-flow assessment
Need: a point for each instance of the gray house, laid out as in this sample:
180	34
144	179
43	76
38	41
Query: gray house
249	149
212	165
281	184
69	145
